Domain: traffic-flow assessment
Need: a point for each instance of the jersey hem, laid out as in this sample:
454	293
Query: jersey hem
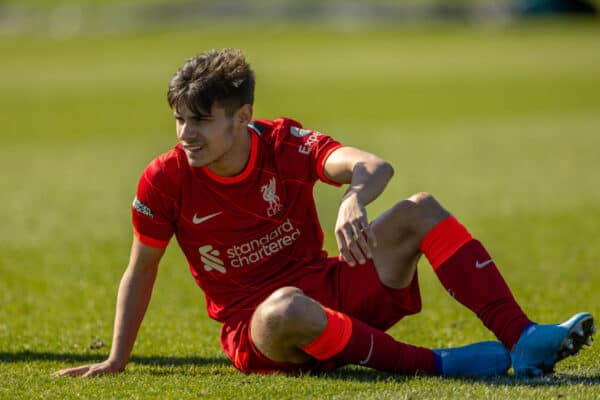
148	241
321	165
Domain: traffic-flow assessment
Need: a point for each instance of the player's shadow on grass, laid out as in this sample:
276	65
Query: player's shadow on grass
559	379
350	373
158	361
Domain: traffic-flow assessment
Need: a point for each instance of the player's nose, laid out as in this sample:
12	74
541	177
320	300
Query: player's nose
187	132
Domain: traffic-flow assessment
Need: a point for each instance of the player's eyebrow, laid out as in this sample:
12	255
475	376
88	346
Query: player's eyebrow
199	117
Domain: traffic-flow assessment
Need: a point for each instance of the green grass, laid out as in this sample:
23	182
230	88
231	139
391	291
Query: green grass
500	124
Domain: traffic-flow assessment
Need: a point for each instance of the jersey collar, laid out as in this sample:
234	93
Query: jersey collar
228	180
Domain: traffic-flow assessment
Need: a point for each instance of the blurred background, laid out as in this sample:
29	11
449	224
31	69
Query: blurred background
72	17
465	97
493	106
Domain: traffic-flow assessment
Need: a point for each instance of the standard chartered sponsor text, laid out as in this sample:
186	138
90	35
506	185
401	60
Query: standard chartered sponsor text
257	249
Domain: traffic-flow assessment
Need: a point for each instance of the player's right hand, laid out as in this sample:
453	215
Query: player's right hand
353	233
87	371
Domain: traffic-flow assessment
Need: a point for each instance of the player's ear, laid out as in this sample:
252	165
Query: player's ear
244	114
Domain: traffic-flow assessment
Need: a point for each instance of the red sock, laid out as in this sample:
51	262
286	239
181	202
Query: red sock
354	342
469	274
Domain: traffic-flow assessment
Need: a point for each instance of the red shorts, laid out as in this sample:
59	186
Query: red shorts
355	291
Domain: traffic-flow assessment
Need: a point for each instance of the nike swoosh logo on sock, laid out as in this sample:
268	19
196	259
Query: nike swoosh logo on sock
479	265
366	360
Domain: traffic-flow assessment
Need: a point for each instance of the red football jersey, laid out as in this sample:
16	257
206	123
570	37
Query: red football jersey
243	236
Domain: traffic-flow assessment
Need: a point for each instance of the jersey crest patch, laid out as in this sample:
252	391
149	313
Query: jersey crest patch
299	132
269	193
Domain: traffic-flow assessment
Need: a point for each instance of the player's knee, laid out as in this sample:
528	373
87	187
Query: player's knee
426	213
287	310
422	198
417	215
284	294
408	213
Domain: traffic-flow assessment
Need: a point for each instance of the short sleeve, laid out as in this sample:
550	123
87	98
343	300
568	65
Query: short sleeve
328	146
153	208
316	147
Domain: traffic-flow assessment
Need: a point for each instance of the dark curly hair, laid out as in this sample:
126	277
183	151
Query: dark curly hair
221	76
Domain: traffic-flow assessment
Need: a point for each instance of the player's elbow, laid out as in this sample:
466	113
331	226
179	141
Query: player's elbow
386	169
377	167
381	168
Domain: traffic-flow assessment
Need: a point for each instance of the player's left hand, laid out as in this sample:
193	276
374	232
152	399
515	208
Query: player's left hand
354	236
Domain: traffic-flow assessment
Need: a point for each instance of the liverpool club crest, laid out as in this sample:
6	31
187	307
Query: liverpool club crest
269	193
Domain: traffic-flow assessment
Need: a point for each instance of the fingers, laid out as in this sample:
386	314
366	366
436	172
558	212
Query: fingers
345	254
352	238
355	241
88	371
79	371
361	246
95	372
370	238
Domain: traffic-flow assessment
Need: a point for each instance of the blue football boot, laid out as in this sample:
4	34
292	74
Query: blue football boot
477	359
540	347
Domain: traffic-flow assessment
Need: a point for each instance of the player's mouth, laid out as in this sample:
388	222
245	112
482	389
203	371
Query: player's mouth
193	149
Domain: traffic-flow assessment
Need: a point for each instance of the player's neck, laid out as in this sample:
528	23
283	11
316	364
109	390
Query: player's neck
234	161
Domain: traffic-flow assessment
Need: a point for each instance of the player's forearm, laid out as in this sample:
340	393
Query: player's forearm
369	179
134	294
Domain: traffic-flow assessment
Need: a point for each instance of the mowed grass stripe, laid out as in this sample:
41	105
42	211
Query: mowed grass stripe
415	76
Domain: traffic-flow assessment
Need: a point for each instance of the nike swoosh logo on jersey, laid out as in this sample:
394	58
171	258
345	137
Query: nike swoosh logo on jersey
479	265
197	220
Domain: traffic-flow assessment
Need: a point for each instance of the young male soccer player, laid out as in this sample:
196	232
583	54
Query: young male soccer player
237	194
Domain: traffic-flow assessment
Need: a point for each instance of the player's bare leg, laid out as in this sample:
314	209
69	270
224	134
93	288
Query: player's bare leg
285	321
399	232
420	224
290	327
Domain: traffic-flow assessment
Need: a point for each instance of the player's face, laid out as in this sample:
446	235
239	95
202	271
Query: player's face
205	139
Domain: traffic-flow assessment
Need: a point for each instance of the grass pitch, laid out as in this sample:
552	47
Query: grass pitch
501	124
